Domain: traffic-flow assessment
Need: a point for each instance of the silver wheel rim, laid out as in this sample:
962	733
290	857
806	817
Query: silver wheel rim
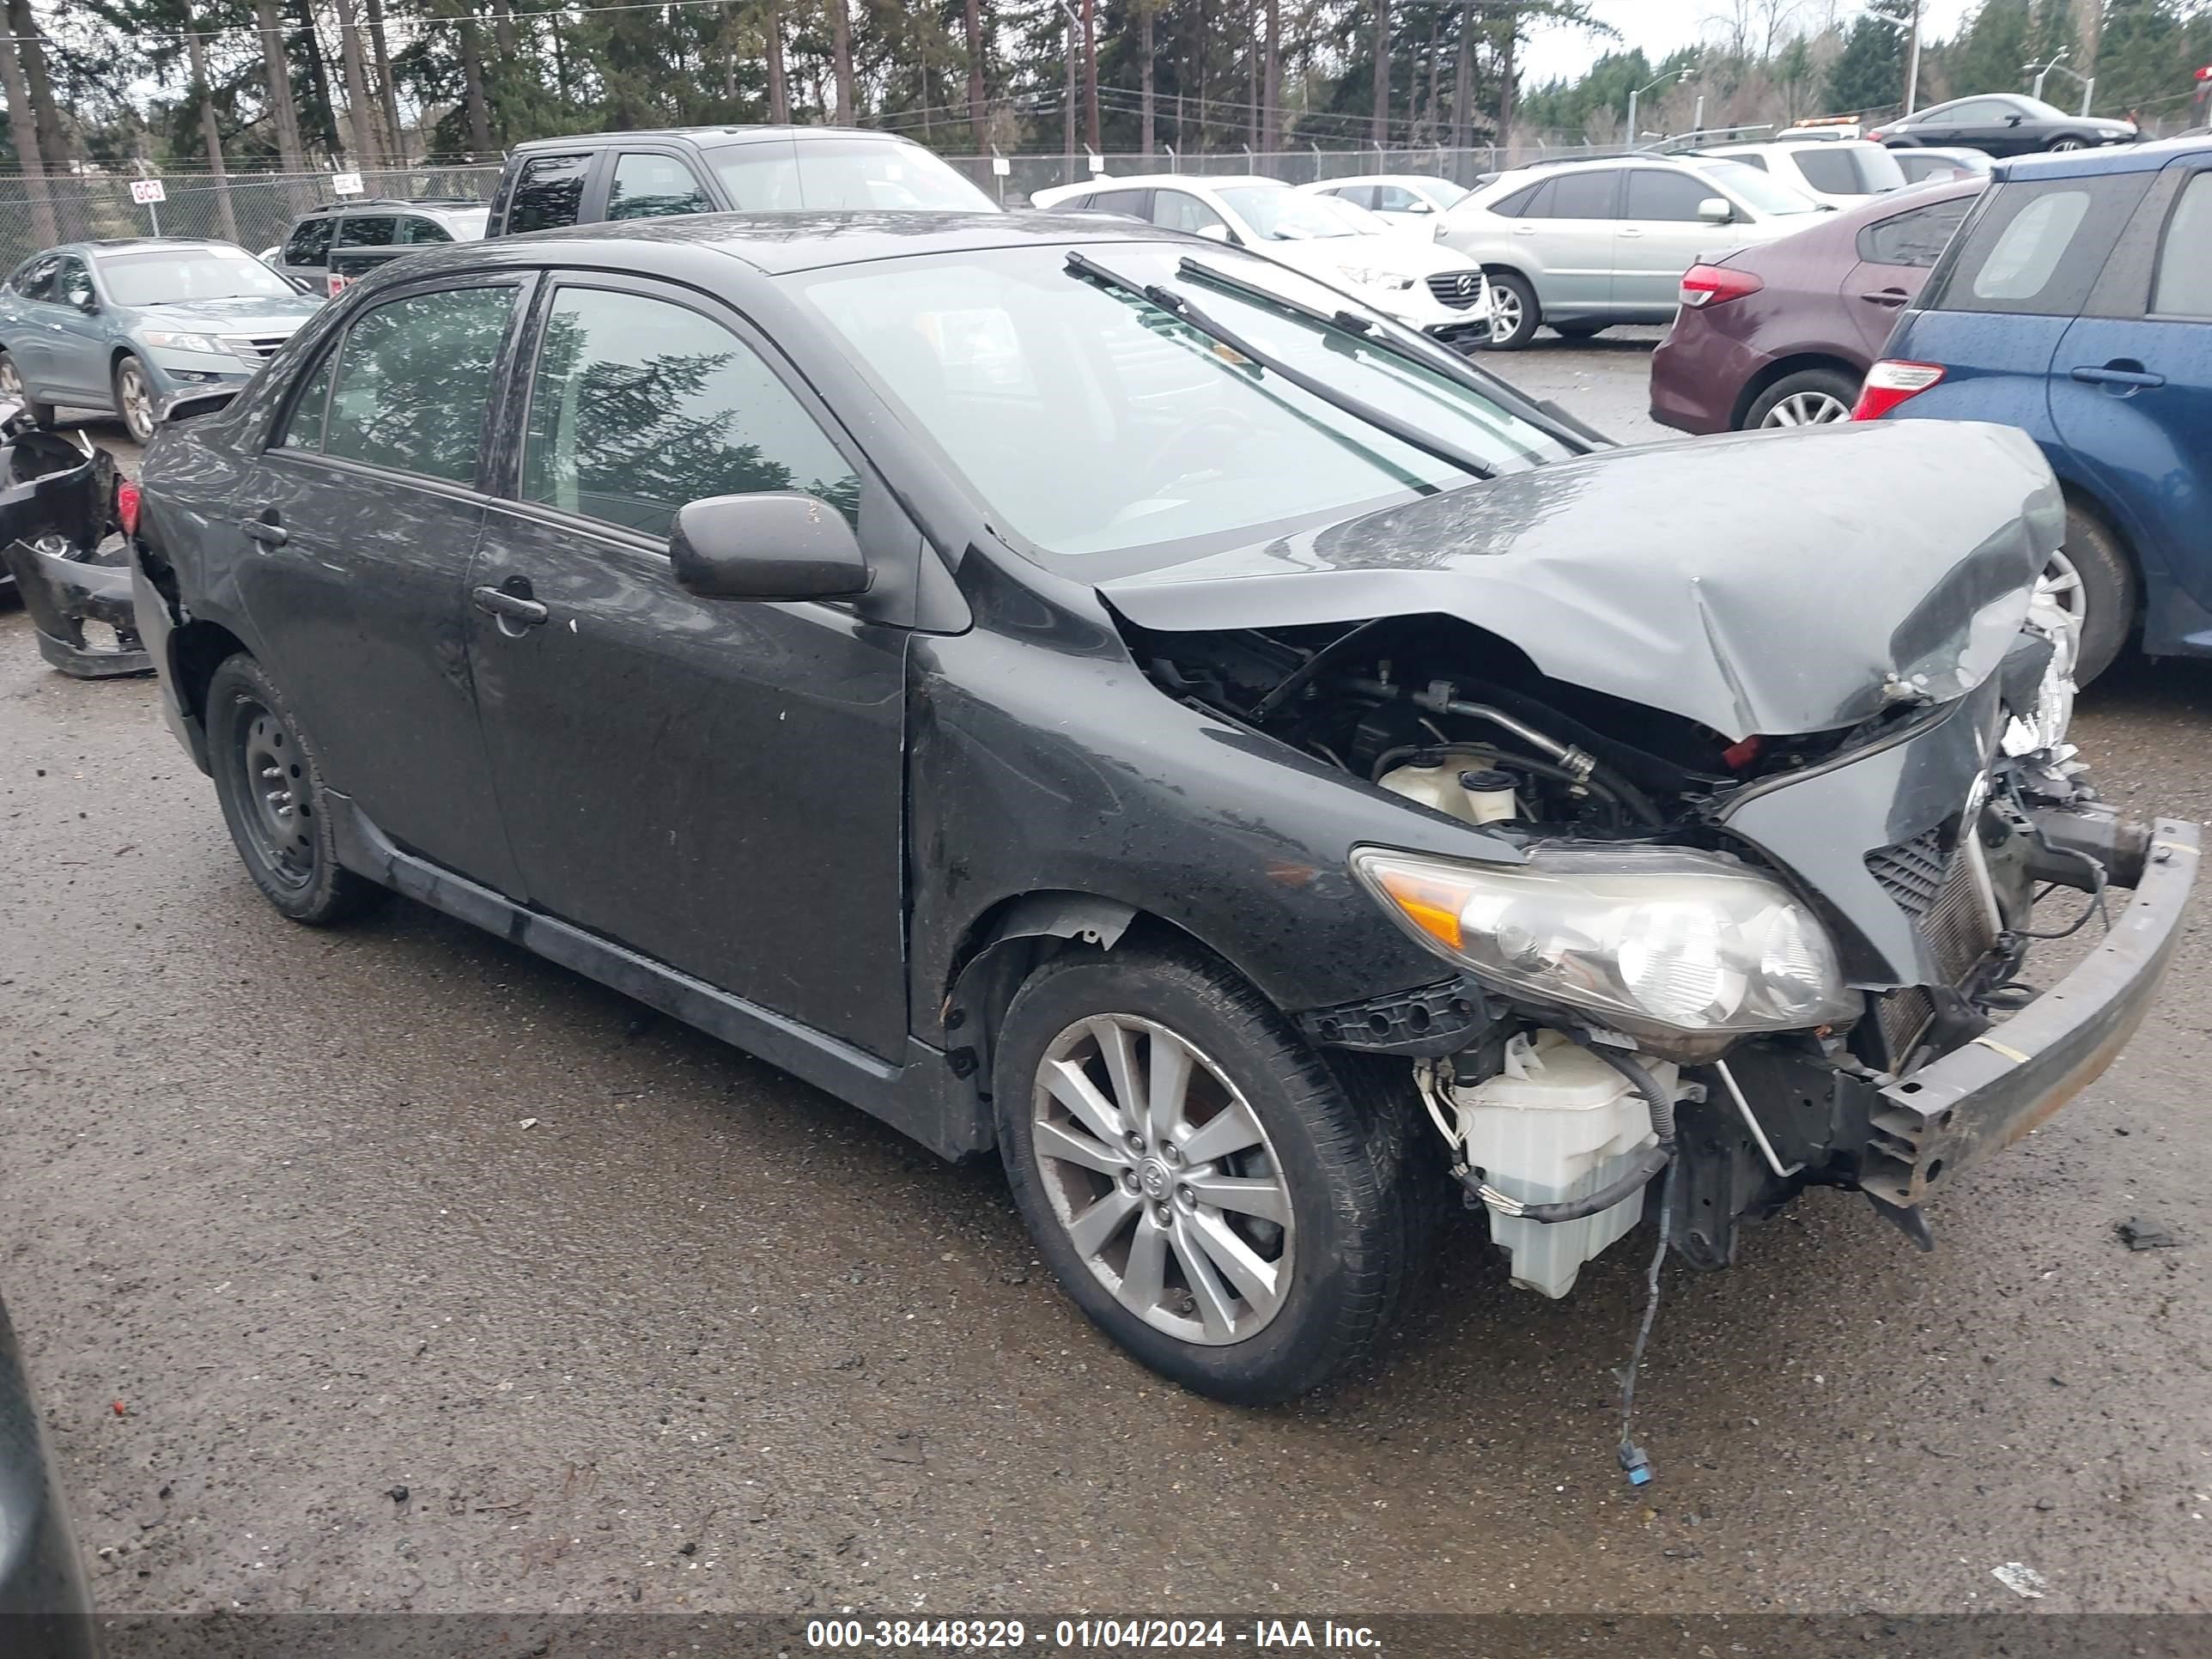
2061	585
1808	409
137	403
1504	313
2067	143
1163	1178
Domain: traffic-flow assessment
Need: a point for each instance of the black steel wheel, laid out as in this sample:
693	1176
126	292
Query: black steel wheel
271	786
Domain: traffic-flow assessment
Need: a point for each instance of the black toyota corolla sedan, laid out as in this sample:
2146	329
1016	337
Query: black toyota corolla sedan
1093	693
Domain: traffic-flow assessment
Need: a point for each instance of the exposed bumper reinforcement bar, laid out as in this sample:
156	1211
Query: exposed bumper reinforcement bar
1991	1091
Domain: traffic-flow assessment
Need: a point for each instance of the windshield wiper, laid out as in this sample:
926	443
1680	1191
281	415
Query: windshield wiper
1428	353
1359	409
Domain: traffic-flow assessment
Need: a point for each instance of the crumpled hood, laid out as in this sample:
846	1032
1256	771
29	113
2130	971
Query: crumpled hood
1777	582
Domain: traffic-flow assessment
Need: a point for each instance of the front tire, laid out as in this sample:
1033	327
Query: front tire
1514	313
1200	1182
2093	582
269	779
2059	146
1579	330
134	398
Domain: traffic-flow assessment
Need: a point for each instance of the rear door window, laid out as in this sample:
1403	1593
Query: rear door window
310	243
1916	239
1585	194
1135	203
412	383
647	185
2183	285
1178	210
35	281
415	231
2038	248
1525	204
548	193
367	230
1829	171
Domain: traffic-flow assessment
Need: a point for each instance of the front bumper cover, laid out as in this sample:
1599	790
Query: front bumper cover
1992	1090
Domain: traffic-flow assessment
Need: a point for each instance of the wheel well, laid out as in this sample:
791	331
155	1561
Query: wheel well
196	651
2076	496
1508	270
1781	369
1009	941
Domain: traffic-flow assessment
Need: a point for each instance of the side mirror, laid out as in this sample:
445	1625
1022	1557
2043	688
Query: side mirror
2013	120
1422	205
85	301
1715	211
1216	233
781	546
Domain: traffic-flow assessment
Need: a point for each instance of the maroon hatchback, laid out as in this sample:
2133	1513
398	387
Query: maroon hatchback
1781	334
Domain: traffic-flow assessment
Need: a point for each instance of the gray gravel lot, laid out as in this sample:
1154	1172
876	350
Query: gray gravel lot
319	1323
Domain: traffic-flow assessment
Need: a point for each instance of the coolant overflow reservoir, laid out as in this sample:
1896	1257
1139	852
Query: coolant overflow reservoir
1557	1123
1476	797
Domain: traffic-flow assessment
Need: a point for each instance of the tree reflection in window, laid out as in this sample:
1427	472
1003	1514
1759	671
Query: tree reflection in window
639	405
414	376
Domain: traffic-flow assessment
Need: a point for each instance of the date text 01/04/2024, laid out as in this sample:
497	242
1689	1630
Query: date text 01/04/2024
1088	1634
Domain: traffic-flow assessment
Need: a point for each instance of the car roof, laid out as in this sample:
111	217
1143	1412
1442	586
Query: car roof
122	244
412	203
704	137
1180	181
2115	158
776	244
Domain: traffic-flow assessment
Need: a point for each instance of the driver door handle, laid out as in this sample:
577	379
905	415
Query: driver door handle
2120	372
262	531
1887	296
510	607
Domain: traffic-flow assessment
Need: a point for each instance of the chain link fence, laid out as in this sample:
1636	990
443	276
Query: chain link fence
253	210
256	209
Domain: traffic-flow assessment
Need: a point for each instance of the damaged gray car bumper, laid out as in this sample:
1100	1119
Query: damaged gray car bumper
1995	1088
63	594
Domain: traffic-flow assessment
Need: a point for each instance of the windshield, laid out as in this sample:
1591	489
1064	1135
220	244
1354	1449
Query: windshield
176	276
841	174
1093	423
1278	214
1761	192
1363	221
1441	192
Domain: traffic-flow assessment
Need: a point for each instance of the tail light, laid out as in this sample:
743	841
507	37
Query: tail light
1713	285
1889	383
126	505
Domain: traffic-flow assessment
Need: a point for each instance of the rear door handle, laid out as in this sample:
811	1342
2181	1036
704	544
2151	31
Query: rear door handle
1887	296
2120	373
268	534
513	607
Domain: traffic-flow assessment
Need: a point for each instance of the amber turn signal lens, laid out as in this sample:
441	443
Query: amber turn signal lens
1429	905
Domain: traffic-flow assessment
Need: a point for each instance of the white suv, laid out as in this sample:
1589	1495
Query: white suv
1584	245
1840	173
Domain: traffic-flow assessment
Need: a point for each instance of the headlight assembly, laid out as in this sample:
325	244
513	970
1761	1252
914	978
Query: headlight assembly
1657	940
173	341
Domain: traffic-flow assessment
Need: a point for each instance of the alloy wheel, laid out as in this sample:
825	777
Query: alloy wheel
2066	144
1164	1179
137	400
279	819
1504	313
1808	409
2060	585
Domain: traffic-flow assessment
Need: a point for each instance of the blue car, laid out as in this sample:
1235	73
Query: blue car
126	325
2075	302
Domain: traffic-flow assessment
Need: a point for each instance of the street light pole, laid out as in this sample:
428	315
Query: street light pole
1912	65
1073	23
1635	93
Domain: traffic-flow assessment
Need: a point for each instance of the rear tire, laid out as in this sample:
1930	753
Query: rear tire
2103	603
1119	1216
1514	315
269	778
1579	330
12	391
1811	397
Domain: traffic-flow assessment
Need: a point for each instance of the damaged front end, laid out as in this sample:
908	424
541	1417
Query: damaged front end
1755	872
63	543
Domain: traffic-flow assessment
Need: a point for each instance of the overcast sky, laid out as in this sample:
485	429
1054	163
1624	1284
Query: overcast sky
1661	26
